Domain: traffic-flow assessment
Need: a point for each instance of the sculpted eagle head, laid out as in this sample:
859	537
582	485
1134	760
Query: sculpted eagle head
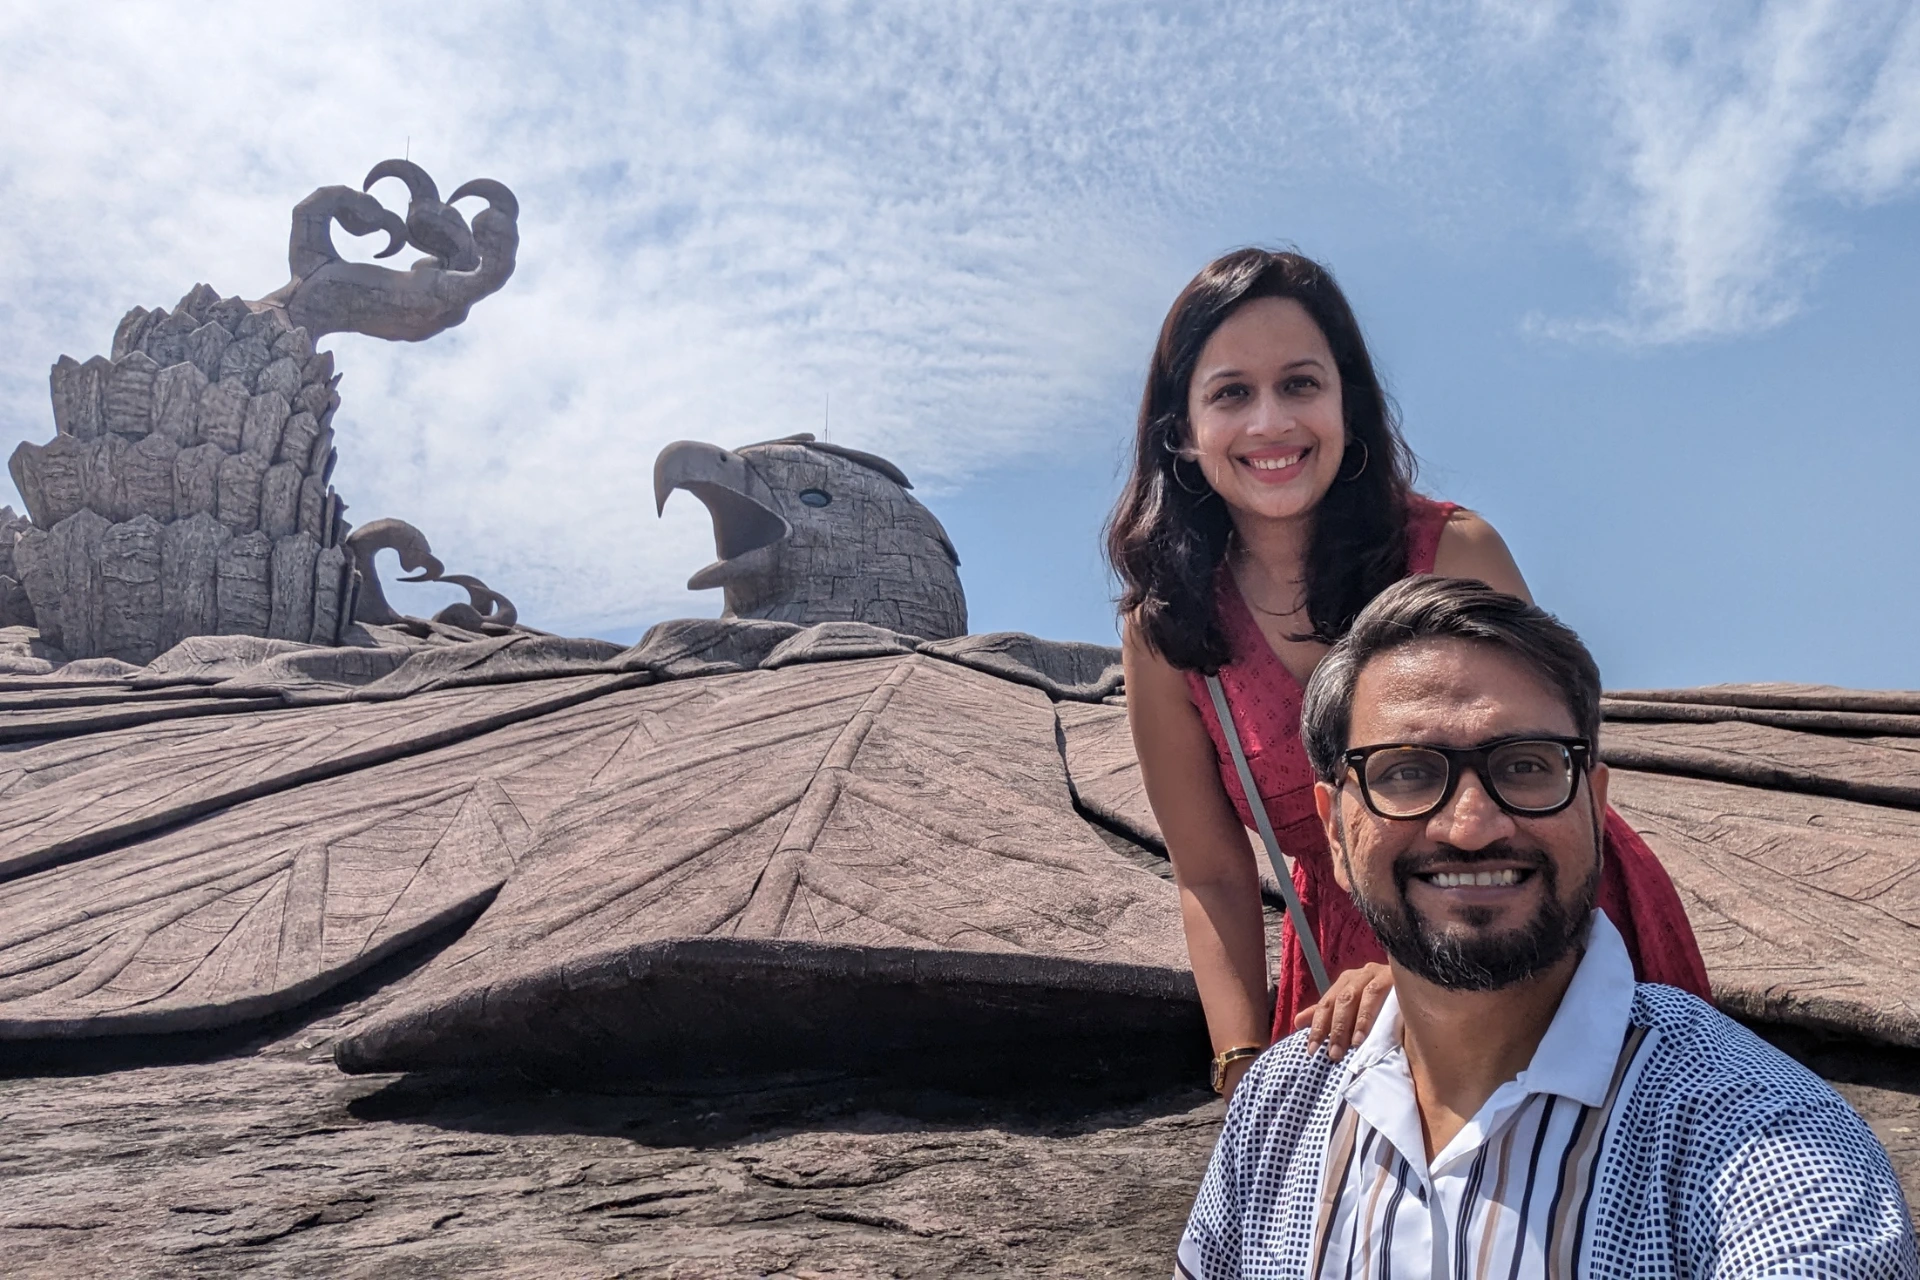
810	532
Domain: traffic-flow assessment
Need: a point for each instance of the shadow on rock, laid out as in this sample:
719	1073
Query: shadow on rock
96	1055
725	1111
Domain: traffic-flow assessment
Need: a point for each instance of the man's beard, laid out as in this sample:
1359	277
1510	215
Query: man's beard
1463	958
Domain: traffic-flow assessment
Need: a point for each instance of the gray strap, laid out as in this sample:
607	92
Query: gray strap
1295	912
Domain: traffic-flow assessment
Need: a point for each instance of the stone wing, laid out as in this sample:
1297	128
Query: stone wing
334	836
855	858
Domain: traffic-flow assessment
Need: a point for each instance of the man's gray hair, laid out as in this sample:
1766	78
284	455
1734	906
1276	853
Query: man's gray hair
1425	607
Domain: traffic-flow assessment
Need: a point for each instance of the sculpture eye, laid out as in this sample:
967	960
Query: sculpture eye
815	497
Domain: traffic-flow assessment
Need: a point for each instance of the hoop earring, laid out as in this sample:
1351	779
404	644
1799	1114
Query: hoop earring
1366	456
1174	471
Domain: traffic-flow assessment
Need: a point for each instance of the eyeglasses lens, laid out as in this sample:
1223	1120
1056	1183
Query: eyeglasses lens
1531	775
1405	781
1409	781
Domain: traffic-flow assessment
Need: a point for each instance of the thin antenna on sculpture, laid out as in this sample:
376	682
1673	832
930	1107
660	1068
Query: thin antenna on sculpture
408	153
826	420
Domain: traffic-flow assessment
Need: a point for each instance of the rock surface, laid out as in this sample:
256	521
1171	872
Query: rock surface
268	1162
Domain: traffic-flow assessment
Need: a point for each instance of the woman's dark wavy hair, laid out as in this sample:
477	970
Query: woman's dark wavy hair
1168	533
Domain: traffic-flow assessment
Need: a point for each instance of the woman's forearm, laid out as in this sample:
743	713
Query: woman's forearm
1226	941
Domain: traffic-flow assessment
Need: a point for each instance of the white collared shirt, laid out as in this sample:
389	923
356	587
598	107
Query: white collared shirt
1648	1136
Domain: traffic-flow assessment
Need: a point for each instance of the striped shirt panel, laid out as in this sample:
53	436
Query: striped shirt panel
1513	1207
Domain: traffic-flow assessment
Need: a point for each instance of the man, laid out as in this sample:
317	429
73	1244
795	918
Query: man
1521	1107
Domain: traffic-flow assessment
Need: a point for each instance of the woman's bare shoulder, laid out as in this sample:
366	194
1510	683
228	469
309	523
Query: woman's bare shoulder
1472	548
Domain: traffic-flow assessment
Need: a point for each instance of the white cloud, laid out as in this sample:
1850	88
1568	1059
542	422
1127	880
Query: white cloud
960	221
1879	157
1717	122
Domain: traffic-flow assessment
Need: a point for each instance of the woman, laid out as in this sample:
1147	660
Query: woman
1270	500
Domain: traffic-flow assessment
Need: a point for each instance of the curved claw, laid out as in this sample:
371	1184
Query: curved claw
429	570
364	222
494	193
489	604
419	185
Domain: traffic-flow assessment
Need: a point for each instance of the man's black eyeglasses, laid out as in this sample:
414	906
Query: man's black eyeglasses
1528	777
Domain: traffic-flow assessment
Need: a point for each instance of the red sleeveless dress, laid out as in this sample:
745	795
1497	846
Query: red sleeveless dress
1265	698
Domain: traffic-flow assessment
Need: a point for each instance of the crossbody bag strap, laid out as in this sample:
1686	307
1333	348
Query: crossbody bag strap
1295	912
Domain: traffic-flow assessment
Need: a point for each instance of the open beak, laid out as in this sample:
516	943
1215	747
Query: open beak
745	518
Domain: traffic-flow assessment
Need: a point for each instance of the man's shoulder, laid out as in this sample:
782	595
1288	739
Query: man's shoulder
1737	1136
1712	1051
1283	1086
1700	1063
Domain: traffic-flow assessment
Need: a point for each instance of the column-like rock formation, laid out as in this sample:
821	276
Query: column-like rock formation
184	491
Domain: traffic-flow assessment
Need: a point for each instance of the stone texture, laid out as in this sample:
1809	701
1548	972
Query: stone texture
131	595
43	576
260	430
207	347
189	574
243	359
16	607
176	404
167	341
313	507
262	1162
103	480
241	475
51	478
1105	773
321	463
128	402
809	532
290	614
223	410
390	843
297	346
1875	770
312	399
244	597
281	377
132	328
198	299
1806	907
1064	669
196	480
280	501
297	438
330	570
148	477
75	550
79	392
880	850
228	313
264	325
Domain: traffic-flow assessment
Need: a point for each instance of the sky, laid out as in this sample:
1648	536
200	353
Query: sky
1643	278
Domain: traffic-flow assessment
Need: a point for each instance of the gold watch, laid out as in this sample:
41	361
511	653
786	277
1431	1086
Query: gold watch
1227	1057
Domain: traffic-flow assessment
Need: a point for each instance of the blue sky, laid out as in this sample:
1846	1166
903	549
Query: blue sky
1644	278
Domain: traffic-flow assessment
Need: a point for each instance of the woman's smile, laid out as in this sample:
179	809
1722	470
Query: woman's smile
1277	465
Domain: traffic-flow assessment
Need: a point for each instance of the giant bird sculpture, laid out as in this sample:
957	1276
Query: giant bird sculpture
187	489
807	531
